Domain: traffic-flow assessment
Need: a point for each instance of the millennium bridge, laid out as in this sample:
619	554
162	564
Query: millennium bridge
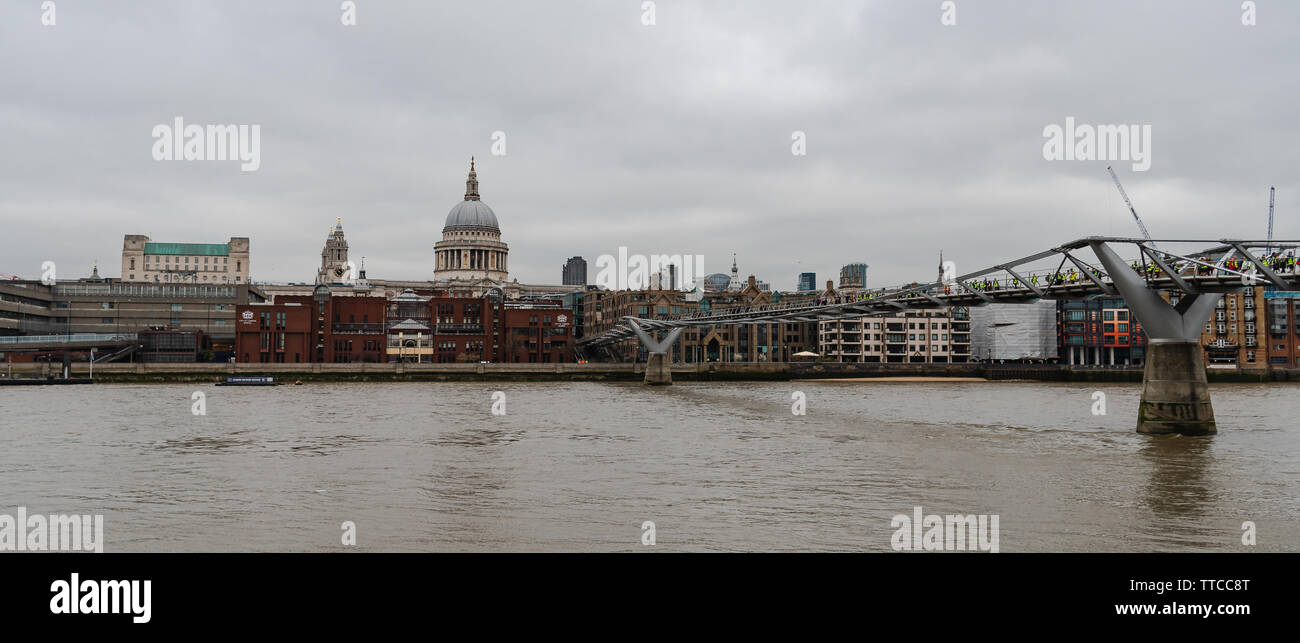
1170	293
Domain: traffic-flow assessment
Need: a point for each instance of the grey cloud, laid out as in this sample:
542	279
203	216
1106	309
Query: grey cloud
673	138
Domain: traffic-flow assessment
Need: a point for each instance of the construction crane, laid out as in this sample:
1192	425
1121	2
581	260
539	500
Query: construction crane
1270	213
1143	228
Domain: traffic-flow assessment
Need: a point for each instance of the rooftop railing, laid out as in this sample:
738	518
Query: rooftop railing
68	339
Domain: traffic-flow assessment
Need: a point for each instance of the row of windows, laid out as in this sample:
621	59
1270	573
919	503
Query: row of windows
184	278
1221	329
157	259
876	325
110	305
175	321
345	346
264	320
895	338
914	348
139	290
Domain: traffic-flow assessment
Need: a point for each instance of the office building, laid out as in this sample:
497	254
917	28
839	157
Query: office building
913	336
575	272
1283	336
146	261
807	281
853	275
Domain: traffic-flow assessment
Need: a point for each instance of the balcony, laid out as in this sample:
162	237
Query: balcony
409	342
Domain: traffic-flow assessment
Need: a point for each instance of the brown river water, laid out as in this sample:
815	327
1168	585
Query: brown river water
581	466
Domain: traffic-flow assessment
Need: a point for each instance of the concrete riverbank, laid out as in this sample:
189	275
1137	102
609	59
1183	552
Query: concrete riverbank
206	372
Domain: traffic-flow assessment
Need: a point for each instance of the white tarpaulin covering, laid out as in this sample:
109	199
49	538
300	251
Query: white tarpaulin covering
1013	331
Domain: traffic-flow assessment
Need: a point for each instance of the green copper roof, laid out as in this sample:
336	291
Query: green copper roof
208	249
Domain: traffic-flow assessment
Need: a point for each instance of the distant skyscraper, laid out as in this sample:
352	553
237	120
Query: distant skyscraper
807	281
665	279
853	275
575	272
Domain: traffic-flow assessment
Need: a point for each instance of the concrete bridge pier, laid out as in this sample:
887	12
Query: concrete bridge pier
1175	395
657	370
658	367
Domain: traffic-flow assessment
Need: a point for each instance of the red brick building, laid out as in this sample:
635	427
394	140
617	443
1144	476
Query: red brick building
417	327
319	328
1283	337
273	333
538	332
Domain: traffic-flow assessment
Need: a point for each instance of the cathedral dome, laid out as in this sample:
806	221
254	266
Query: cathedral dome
471	215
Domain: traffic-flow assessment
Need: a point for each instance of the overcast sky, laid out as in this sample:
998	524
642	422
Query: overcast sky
672	138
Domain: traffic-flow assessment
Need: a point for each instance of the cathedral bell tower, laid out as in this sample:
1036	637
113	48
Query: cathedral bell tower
334	266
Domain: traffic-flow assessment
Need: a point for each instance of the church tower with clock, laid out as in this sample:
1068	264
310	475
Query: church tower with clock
334	266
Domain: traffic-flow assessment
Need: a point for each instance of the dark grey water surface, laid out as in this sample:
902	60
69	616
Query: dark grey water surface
580	466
